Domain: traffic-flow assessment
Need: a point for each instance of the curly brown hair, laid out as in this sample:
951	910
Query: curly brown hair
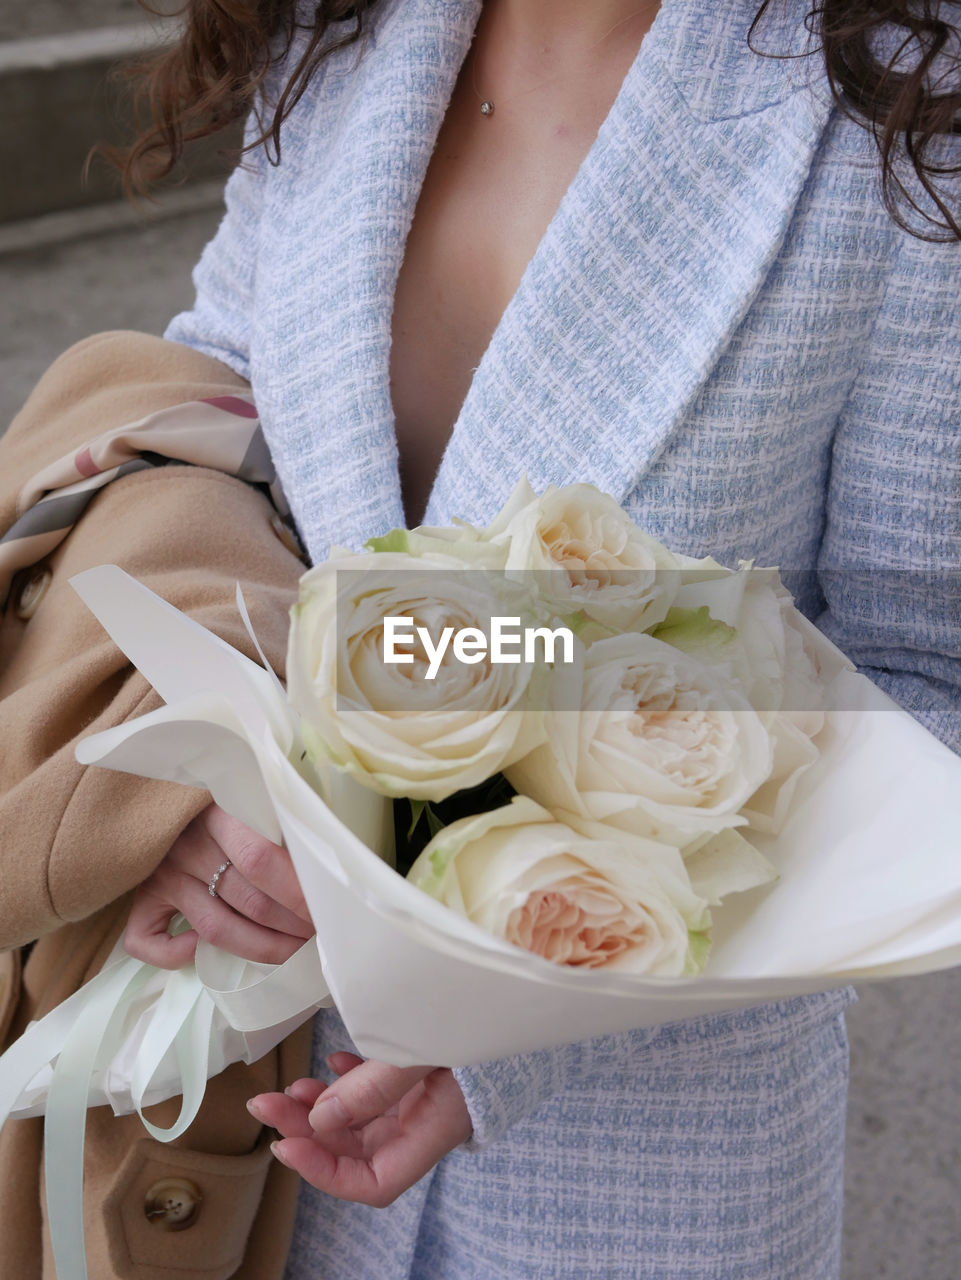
911	102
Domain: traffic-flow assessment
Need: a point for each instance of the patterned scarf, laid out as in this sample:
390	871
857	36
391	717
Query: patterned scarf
222	432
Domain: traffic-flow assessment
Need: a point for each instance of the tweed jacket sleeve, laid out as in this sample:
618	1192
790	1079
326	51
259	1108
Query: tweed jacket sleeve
219	323
890	563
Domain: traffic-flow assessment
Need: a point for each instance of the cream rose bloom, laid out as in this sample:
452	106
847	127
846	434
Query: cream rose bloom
587	555
397	732
745	624
576	898
661	746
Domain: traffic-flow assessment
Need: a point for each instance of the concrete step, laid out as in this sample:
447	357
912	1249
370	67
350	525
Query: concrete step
60	99
47	230
48	17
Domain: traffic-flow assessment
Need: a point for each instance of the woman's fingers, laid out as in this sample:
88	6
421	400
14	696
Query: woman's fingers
257	911
371	1134
248	901
362	1094
264	865
218	924
146	937
210	918
281	1112
306	1090
432	1120
256	869
342	1062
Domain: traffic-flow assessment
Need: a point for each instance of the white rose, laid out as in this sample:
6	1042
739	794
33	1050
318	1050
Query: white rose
397	732
756	635
588	555
662	745
573	897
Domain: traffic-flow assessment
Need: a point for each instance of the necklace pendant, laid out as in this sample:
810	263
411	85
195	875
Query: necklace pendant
487	107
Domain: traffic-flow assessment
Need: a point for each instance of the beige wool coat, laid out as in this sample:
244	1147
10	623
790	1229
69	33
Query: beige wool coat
75	841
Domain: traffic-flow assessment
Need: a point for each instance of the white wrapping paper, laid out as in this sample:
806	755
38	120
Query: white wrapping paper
870	872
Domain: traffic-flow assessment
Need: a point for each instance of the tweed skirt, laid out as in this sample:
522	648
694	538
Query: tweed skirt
708	1149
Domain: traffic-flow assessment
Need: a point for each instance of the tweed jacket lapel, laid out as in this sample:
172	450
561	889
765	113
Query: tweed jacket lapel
656	252
358	178
654	256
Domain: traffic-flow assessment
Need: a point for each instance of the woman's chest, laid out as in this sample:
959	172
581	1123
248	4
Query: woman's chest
490	192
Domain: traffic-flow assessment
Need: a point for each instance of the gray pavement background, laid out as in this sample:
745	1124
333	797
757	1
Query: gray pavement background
135	276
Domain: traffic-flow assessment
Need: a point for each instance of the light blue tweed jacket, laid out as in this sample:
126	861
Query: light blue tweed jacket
723	328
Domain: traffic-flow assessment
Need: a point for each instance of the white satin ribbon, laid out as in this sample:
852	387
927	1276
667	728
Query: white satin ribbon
78	1040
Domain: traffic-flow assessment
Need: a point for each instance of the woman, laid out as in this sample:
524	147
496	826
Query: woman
724	327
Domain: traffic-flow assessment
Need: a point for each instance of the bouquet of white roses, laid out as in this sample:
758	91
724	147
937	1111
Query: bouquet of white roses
632	787
644	707
581	742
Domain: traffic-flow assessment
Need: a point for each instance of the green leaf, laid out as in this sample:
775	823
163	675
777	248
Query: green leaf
694	631
417	808
699	944
439	860
396	540
585	627
430	868
420	808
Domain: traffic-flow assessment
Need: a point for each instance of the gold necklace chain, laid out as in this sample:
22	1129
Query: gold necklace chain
487	104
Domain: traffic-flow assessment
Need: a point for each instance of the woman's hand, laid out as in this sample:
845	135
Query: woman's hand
259	911
371	1134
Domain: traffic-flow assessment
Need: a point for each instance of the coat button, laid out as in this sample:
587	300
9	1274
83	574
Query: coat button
173	1204
285	535
31	593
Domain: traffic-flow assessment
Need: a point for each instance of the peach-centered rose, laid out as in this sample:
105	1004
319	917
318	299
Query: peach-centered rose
589	898
663	745
588	556
580	920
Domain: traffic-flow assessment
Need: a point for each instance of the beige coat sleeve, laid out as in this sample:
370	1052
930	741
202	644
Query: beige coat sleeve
73	839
